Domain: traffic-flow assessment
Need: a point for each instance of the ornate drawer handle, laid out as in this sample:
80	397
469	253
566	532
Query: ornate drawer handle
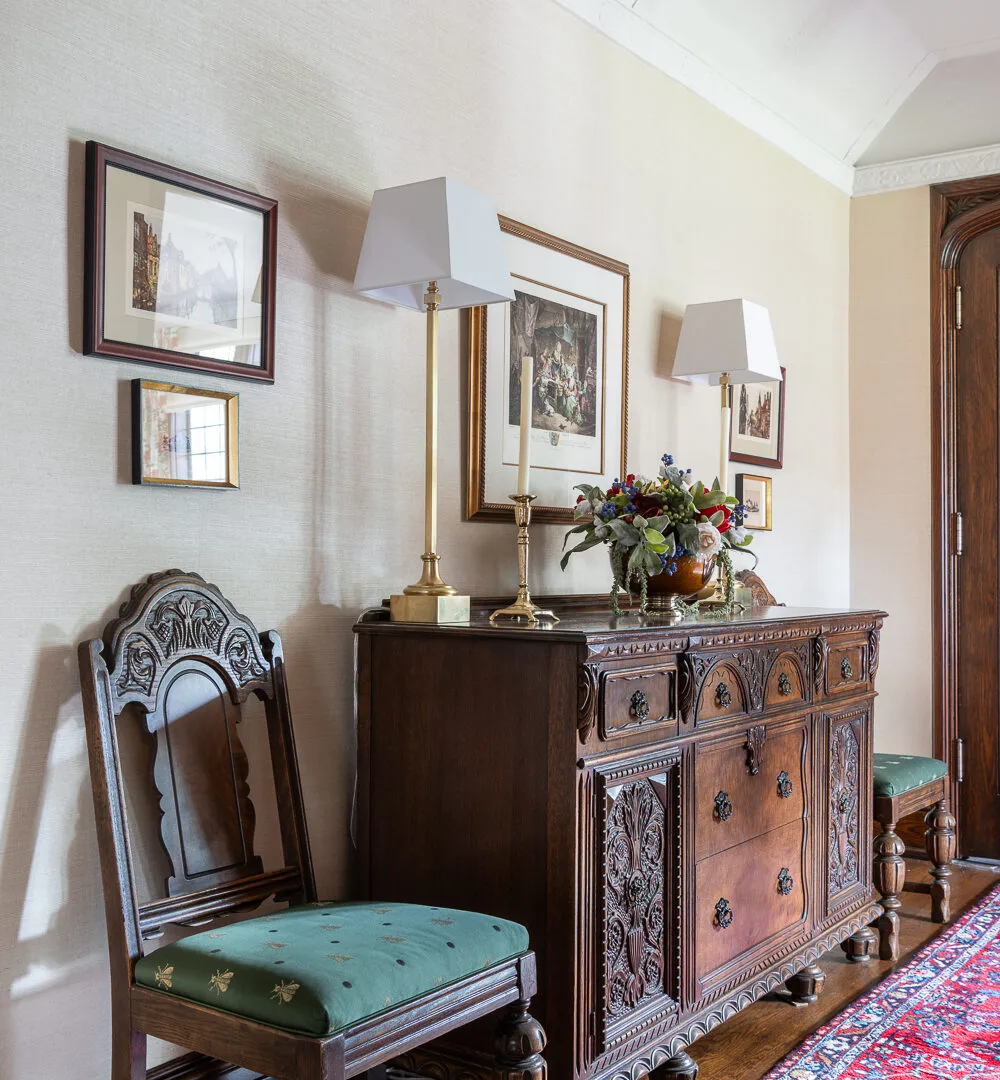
785	881
723	698
784	684
846	671
723	806
639	706
844	802
785	787
723	914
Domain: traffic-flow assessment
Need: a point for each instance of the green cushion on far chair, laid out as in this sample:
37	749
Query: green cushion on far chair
895	774
320	968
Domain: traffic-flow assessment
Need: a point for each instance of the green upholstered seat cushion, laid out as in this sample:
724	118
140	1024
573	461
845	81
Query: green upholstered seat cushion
320	968
895	774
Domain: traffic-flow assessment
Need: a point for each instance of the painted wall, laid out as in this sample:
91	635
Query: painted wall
317	105
891	453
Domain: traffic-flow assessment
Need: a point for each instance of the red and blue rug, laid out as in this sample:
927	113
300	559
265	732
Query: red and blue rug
936	1017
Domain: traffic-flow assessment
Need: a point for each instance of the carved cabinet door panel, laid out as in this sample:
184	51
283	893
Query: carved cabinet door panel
637	901
847	807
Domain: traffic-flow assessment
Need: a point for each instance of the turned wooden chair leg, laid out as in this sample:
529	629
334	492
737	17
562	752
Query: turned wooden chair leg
890	875
939	840
518	1045
680	1067
806	985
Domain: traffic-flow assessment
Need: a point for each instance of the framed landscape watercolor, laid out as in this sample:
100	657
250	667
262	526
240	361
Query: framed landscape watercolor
183	436
757	423
755	493
179	269
570	315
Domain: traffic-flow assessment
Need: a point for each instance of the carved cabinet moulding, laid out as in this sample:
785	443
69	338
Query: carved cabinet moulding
844	805
756	737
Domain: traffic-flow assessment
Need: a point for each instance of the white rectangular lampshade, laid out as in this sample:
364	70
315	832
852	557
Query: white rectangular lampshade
726	336
435	230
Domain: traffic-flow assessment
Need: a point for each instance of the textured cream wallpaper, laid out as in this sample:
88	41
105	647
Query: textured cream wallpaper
317	104
891	449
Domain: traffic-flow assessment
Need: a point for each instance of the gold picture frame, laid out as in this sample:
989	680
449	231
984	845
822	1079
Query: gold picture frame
594	289
755	491
184	436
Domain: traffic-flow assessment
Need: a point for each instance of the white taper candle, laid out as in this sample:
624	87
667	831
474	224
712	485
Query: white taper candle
524	456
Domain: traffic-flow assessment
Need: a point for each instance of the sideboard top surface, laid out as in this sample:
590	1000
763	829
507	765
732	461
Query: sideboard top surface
588	618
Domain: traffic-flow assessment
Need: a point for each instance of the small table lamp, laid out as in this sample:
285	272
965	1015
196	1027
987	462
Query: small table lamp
722	342
428	246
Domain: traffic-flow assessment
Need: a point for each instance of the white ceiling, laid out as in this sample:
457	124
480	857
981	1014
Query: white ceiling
871	94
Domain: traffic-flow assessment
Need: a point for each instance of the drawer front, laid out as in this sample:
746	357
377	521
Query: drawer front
723	693
785	685
734	803
638	699
746	895
847	666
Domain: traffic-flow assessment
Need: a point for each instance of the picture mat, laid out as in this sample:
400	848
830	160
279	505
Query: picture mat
754	495
239	344
552	486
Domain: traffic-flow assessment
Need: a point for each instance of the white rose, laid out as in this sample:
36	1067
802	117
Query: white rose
738	533
709	539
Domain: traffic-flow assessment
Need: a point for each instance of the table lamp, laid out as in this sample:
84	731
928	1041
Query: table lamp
431	246
723	342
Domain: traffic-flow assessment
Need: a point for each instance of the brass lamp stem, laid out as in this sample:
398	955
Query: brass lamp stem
523	609
430	583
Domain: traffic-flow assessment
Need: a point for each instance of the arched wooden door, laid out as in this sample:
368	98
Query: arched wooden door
966	219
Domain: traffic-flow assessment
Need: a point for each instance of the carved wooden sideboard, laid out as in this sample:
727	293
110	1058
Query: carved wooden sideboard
680	813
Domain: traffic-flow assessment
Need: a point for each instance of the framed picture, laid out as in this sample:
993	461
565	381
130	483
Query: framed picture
757	423
179	269
570	314
755	493
185	437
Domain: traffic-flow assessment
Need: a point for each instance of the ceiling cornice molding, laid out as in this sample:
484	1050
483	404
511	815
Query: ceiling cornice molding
630	31
920	171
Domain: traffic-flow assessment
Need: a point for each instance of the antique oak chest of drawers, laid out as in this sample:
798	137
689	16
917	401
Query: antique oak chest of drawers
680	813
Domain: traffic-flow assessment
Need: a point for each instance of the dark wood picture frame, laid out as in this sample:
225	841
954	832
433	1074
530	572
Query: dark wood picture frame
752	459
232	402
477	506
96	342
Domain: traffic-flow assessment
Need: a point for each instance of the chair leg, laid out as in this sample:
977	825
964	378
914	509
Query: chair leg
939	840
890	875
518	1045
128	1054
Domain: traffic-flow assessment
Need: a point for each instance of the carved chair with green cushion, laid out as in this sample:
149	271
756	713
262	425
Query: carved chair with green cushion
311	991
904	783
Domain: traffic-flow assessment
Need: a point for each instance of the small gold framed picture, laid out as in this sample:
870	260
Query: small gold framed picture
755	494
183	436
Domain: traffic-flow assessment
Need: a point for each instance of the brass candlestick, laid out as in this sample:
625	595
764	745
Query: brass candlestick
523	609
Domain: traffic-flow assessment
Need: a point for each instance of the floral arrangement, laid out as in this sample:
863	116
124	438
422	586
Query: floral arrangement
650	524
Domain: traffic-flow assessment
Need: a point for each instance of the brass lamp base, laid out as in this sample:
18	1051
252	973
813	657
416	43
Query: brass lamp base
429	609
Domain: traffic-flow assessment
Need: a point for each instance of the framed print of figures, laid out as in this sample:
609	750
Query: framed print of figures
183	436
570	315
755	493
179	269
757	423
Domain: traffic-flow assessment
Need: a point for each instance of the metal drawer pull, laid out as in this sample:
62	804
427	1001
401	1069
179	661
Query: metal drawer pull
723	806
723	914
723	698
846	671
639	706
785	881
784	684
784	785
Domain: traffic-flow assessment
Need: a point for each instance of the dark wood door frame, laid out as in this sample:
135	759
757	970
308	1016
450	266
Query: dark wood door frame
960	211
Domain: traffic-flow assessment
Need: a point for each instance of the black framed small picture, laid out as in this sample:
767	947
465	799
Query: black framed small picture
755	493
183	436
179	269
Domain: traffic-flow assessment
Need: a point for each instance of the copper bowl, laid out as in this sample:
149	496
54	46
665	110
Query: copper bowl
691	573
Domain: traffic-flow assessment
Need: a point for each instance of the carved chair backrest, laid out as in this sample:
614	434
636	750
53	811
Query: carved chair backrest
762	596
187	660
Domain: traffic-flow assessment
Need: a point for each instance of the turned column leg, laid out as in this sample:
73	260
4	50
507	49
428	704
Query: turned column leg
806	985
680	1067
939	840
518	1045
890	874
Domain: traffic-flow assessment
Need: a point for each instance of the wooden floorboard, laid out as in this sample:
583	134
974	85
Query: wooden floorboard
751	1043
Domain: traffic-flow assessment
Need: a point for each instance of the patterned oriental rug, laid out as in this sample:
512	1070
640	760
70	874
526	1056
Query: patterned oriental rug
935	1018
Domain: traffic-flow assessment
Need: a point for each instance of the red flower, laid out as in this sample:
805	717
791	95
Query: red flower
630	479
646	503
711	511
579	498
